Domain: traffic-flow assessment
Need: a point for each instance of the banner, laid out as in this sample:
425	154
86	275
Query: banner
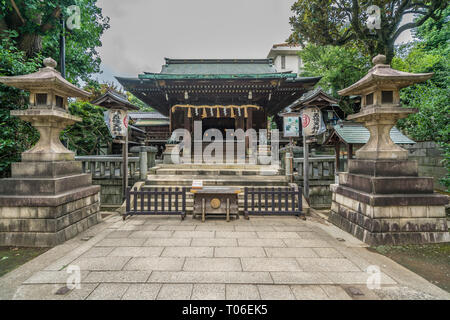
312	121
117	122
291	126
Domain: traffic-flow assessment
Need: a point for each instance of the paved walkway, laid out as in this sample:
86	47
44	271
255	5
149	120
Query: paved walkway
264	258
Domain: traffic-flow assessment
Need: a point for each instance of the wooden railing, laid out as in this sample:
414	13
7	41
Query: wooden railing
320	168
109	167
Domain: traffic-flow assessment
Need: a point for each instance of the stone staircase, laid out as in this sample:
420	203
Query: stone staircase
232	175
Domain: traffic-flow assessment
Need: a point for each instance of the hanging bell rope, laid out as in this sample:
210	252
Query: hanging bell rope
217	107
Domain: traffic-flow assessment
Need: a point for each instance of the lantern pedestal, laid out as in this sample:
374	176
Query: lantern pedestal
48	198
50	124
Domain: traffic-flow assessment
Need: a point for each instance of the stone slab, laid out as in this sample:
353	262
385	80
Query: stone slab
309	292
43	186
291	253
188	252
117	276
210	277
45	169
275	292
136	252
109	291
175	292
142	291
270	264
387	168
242	292
391	200
212	264
387	185
155	263
238	252
208	292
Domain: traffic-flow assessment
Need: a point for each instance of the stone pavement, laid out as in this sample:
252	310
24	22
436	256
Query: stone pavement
166	258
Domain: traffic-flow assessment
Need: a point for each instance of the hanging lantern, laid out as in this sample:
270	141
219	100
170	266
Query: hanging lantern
245	112
186	95
218	112
232	113
204	115
189	113
250	95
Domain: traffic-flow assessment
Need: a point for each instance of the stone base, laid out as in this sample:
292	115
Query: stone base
409	220
48	221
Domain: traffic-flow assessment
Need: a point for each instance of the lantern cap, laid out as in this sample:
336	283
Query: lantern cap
45	80
382	74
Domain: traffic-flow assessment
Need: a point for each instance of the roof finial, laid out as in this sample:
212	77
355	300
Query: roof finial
379	59
50	63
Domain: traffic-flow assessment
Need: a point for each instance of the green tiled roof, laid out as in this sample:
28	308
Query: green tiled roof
355	133
218	66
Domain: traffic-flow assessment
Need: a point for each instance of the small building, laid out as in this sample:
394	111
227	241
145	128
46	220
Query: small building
285	57
224	94
115	100
156	128
348	136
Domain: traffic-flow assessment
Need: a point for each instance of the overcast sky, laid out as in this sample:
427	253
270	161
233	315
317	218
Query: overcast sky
143	32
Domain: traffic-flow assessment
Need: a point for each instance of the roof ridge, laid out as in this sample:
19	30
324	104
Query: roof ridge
219	61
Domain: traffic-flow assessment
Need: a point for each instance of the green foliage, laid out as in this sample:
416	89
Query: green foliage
82	57
29	34
344	22
339	67
16	136
86	137
143	107
429	54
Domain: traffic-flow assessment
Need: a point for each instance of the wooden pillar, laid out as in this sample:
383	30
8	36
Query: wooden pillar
249	125
170	120
350	151
338	151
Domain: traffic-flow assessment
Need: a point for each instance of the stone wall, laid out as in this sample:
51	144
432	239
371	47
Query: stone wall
111	191
319	193
429	156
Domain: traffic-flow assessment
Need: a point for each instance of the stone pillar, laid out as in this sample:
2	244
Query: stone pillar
288	166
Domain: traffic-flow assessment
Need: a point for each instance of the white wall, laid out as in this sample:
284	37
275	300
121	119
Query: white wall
293	63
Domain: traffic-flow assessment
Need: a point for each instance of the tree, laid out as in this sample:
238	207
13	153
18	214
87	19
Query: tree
344	22
339	67
86	137
29	31
430	53
16	136
143	107
38	28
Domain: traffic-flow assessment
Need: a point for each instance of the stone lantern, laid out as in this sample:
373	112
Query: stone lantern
382	199
48	199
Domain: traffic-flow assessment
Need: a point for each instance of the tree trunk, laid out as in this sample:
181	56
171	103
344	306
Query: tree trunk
30	44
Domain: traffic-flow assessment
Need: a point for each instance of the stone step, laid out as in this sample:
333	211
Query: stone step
215	182
217	172
205	166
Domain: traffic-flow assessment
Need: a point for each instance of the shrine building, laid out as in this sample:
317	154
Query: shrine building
223	94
